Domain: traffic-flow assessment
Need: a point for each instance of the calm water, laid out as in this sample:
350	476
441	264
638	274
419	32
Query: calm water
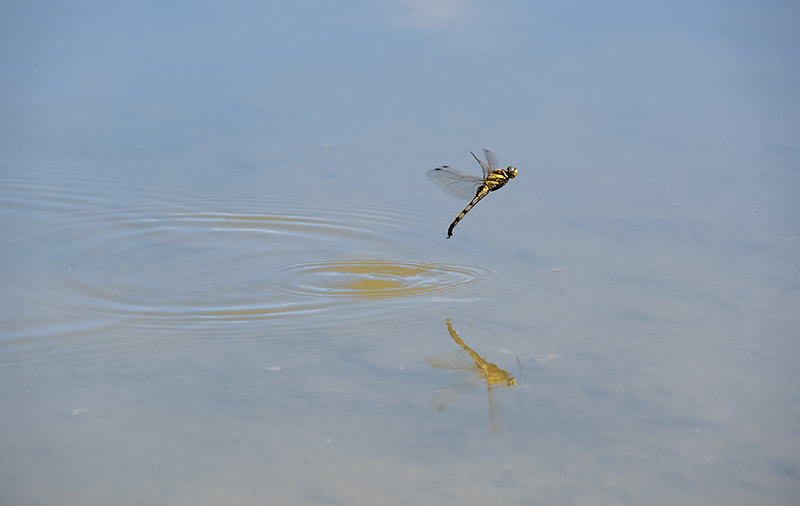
226	279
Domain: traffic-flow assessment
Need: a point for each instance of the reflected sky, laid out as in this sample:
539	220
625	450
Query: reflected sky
158	80
225	266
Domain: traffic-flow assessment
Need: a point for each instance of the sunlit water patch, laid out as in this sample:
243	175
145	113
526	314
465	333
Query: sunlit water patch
373	279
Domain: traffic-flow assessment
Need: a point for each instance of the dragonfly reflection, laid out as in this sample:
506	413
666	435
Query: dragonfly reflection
464	186
480	371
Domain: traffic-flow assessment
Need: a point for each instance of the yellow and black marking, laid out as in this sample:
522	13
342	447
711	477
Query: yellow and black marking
482	192
461	185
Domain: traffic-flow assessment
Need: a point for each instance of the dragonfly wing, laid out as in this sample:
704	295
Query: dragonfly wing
486	169
462	381
495	415
490	159
458	383
453	361
455	183
443	398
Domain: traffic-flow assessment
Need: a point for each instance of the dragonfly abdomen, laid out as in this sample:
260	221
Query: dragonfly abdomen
482	192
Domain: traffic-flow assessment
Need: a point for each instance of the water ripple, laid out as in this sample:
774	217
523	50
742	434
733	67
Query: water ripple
187	261
373	279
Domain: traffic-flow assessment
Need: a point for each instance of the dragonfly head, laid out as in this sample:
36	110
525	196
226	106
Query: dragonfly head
511	172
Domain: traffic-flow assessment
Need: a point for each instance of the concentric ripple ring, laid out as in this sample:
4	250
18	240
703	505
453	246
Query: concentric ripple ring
373	279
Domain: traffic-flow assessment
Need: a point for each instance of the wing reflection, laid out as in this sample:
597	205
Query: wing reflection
473	371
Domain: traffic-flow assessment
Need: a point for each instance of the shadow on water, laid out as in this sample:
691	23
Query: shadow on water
476	370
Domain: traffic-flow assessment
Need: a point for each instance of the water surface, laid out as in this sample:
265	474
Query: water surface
226	278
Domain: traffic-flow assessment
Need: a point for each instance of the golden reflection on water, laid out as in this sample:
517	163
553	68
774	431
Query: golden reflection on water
480	370
379	279
373	279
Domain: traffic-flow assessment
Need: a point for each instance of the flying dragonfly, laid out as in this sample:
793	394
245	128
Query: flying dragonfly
464	186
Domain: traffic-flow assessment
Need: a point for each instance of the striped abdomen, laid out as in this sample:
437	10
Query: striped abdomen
482	192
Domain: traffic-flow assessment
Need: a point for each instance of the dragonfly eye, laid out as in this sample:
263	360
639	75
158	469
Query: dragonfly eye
512	172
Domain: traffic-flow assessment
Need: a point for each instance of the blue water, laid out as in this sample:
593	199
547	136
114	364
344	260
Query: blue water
224	269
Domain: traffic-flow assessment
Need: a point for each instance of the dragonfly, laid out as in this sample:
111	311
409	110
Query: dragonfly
464	186
477	370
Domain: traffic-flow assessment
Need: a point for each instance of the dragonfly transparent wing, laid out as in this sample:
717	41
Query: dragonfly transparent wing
487	169
490	159
466	376
455	183
445	398
454	361
495	415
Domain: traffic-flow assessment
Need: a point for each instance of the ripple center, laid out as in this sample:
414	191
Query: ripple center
374	278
